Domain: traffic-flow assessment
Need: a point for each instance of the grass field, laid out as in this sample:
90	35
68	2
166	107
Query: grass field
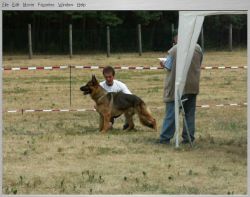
63	152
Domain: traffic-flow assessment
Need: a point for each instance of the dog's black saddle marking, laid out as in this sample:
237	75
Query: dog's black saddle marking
124	101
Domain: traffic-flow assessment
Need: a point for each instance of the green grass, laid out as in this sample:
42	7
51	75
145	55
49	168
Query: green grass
64	153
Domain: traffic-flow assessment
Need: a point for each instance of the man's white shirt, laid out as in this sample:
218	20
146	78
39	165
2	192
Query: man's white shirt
117	86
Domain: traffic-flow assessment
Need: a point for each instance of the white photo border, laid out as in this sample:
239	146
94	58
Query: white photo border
133	5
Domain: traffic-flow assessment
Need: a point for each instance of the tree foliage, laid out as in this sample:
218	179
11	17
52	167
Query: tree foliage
50	30
145	17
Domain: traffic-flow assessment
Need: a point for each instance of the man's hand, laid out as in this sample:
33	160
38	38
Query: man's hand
161	64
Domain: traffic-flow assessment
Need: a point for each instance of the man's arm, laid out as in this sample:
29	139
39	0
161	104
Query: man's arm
124	88
168	63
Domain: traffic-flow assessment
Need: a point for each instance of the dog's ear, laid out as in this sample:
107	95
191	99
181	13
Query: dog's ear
94	80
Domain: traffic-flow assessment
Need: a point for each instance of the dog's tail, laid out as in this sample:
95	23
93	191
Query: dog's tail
145	116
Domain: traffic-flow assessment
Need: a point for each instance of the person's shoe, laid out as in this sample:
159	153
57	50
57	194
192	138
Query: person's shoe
159	141
110	125
186	142
125	126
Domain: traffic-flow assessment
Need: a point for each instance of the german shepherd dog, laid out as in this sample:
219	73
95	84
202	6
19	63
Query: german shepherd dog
113	104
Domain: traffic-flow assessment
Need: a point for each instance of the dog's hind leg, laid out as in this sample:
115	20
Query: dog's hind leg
129	119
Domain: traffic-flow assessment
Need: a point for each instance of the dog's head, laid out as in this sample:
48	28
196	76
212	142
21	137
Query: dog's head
90	86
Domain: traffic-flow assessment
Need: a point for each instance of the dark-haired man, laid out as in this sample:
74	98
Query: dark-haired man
112	85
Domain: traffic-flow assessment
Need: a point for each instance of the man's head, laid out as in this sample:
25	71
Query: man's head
109	75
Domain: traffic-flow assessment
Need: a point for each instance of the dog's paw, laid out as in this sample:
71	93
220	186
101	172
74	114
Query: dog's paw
103	131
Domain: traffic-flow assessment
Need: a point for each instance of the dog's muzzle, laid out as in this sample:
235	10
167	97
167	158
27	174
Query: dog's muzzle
85	90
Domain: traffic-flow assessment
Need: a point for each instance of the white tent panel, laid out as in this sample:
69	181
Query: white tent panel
189	31
190	23
208	13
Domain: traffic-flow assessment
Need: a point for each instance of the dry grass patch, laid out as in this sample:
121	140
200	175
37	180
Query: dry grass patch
63	153
237	57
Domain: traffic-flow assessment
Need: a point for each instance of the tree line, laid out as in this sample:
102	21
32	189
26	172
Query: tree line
50	30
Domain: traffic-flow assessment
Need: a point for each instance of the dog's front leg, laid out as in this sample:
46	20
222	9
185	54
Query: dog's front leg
106	124
101	122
